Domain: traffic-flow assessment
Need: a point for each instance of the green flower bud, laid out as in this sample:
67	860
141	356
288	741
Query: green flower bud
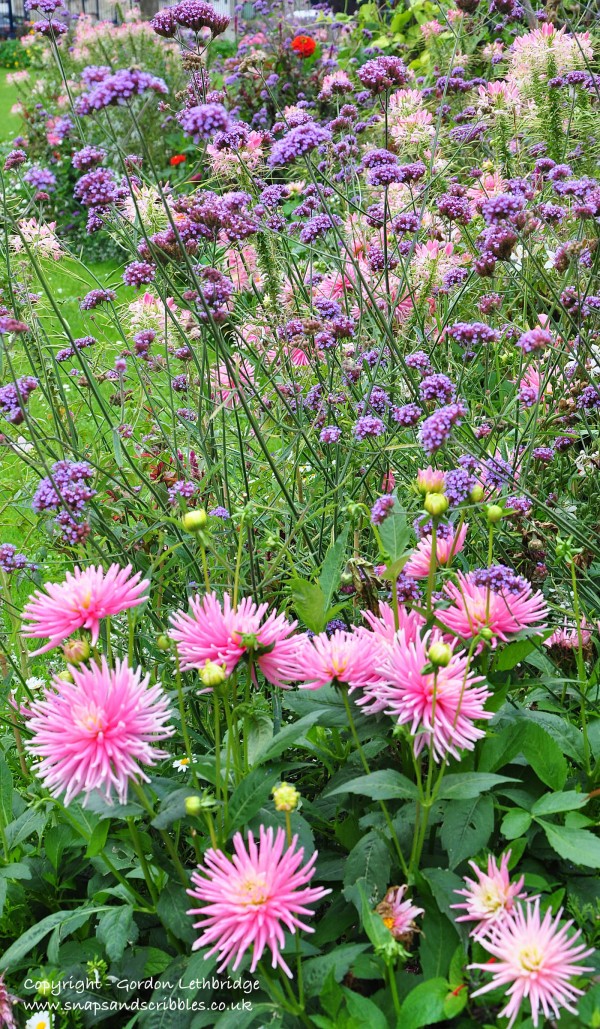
493	513
440	655
477	494
44	988
213	674
436	504
286	797
486	634
163	642
76	651
193	805
195	521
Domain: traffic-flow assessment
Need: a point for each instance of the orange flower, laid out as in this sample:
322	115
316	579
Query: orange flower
304	46
177	159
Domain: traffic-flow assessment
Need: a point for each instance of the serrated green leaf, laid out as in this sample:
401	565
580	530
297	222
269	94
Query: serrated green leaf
466	785
248	798
367	870
577	845
383	785
308	601
363	1012
424	1005
515	823
338	962
288	735
116	929
32	936
329	578
467	827
553	803
394	534
98	839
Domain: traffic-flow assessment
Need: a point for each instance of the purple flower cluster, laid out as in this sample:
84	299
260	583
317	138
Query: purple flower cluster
368	426
472	334
139	273
14	159
119	89
383	73
96	297
435	430
11	561
458	485
67	492
82	343
298	142
88	157
203	121
437	389
407	415
40	178
330	434
499	579
216	292
534	340
381	509
189	14
14	396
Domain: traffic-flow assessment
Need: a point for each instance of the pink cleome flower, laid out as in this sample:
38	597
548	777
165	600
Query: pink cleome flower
503	615
225	635
344	657
441	709
489	897
94	733
398	915
80	602
250	898
536	959
445	550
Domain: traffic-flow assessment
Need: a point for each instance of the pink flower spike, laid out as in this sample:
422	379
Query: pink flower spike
417	566
220	633
440	710
95	733
251	898
80	602
535	960
490	896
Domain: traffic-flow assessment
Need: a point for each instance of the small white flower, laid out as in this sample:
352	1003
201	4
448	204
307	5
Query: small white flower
35	682
182	764
41	1020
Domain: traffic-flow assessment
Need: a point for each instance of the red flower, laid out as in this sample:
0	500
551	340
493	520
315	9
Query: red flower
177	159
304	46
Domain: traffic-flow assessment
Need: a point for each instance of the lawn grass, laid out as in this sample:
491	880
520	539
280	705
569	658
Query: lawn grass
10	124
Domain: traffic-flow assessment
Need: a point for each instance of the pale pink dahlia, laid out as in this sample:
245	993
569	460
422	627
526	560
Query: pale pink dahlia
382	630
251	898
80	602
418	565
500	614
441	709
224	634
534	959
490	896
398	915
344	657
96	732
7	1018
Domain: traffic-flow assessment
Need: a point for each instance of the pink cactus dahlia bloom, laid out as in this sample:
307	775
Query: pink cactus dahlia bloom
80	602
479	607
441	709
490	896
344	657
536	959
398	915
417	566
250	898
381	632
224	634
96	732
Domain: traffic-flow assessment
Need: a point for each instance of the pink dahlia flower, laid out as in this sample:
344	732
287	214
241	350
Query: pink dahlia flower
80	602
223	634
7	1018
441	709
344	657
249	899
535	960
96	732
381	632
398	915
489	897
417	566
503	614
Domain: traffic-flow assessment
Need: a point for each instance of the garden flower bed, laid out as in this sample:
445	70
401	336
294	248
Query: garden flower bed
300	559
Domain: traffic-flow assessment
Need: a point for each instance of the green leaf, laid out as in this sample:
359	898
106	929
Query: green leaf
259	733
544	755
443	885
338	961
172	807
577	845
383	785
172	908
6	790
308	601
466	785
288	735
438	942
116	929
394	534
329	578
31	821
373	924
32	937
367	870
98	839
363	1012
248	798
553	803
515	823
511	655
424	1005
467	827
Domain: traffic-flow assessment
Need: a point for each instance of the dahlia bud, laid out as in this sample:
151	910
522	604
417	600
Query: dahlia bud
477	494
213	674
285	797
163	642
430	480
44	988
76	651
65	676
436	504
493	514
440	655
486	634
193	805
195	521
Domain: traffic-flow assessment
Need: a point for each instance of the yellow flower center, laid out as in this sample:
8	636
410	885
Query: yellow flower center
339	664
531	958
254	891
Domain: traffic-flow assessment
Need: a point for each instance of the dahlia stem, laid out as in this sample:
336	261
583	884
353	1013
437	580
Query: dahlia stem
581	669
184	729
164	836
204	567
367	769
238	565
432	566
393	986
137	846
